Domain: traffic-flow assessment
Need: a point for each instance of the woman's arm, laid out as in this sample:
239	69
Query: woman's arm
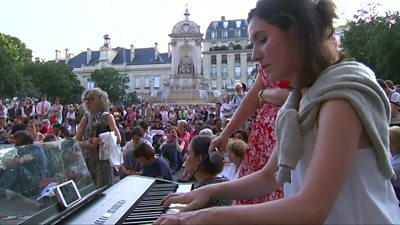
113	127
242	188
276	96
33	111
246	108
80	129
338	138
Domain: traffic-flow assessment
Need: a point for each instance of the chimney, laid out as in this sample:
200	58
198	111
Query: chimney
132	52
222	18
66	56
156	50
107	41
37	59
169	49
58	55
88	55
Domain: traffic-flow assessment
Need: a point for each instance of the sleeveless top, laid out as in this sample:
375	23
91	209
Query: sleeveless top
96	123
373	200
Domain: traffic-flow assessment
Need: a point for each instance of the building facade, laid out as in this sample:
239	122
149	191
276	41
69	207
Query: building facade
224	61
227	55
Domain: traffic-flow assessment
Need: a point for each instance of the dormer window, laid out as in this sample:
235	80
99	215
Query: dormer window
103	53
238	23
215	25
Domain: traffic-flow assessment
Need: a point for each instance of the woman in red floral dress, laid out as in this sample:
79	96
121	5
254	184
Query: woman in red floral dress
264	98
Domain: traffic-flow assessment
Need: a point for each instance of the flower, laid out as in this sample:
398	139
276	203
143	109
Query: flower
284	84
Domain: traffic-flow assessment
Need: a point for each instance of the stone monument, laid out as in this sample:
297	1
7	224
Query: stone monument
186	84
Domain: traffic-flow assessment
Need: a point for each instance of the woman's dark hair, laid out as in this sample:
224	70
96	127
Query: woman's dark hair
200	145
144	150
244	135
312	22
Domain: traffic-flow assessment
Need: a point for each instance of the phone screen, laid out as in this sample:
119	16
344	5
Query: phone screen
68	193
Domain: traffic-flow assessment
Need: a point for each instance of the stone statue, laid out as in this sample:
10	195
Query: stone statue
186	65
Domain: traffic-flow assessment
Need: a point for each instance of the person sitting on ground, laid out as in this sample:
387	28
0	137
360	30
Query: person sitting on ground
153	166
235	151
32	130
131	166
200	167
171	149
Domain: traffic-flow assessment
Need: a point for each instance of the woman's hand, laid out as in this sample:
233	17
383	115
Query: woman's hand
194	217
92	143
196	199
219	142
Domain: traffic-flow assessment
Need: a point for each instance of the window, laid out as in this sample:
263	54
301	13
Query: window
213	59
137	83
215	25
238	33
237	58
249	70
249	57
238	23
237	71
156	82
213	34
224	71
213	71
214	84
226	24
249	83
224	59
224	83
224	33
147	83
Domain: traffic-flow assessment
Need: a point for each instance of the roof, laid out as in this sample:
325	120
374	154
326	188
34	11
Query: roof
143	56
218	26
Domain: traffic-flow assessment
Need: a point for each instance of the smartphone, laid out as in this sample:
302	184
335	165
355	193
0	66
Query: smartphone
67	193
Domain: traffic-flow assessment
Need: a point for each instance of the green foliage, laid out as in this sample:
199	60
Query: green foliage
375	41
111	81
131	98
13	56
53	80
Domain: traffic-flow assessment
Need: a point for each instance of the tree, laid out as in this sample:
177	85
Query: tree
54	80
112	82
375	41
131	98
14	55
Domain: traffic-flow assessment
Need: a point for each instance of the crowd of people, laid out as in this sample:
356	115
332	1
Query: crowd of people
314	140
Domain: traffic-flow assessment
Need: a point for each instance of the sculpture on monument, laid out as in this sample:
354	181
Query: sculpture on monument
186	65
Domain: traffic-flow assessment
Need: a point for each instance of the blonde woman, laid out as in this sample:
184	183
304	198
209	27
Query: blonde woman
97	120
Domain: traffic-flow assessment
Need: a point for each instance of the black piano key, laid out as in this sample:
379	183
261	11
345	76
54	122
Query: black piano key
140	222
140	218
148	209
145	214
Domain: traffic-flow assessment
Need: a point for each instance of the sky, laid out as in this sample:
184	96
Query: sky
47	25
